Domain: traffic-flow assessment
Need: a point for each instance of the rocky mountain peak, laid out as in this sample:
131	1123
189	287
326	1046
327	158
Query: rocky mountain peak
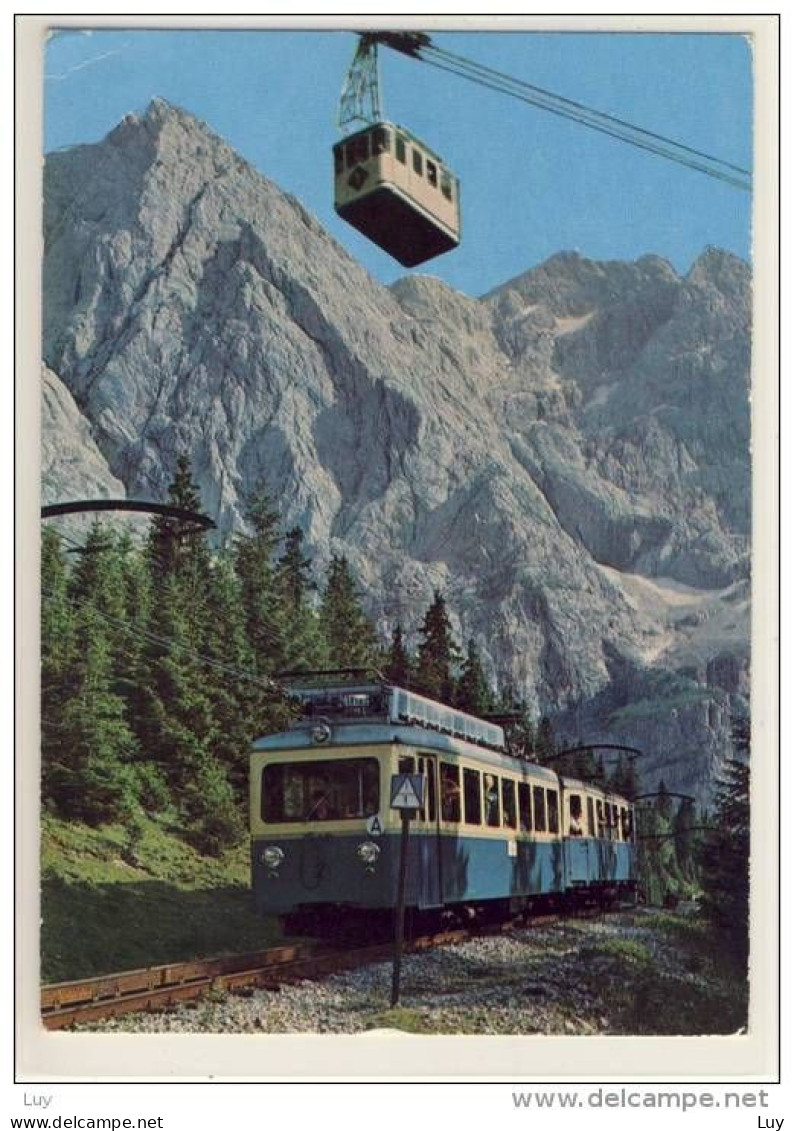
722	270
565	458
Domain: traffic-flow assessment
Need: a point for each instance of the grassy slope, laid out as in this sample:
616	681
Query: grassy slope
109	905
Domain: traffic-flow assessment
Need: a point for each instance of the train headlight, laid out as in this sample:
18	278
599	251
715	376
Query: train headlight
368	853
272	857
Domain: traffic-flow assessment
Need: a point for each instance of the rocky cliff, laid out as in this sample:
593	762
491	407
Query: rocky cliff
566	457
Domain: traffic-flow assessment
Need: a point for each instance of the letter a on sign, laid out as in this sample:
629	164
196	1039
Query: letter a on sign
407	791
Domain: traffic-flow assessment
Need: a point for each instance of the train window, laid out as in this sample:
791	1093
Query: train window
602	825
472	809
590	818
427	769
615	823
421	814
432	174
417	160
320	791
554	810
509	815
627	826
490	796
575	821
339	160
399	149
406	765
381	141
524	807
539	808
446	185
450	792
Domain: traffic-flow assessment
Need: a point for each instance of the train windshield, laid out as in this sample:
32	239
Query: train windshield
330	790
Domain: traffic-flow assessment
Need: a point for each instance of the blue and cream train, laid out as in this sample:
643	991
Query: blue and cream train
496	832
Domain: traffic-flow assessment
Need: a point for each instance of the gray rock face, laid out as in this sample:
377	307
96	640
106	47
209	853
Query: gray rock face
567	458
72	466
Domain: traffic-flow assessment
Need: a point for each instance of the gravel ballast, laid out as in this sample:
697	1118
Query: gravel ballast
564	978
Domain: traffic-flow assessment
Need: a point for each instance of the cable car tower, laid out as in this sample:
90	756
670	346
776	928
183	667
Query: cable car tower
360	101
387	183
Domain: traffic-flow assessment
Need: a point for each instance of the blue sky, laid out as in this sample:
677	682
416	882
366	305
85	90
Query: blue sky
532	184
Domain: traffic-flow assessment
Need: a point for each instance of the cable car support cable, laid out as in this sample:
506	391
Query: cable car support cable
421	48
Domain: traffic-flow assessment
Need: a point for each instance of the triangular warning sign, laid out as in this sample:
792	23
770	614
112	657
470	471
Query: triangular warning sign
406	792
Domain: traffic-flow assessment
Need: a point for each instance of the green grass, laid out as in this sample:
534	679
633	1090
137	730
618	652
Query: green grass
702	993
111	901
624	951
401	1017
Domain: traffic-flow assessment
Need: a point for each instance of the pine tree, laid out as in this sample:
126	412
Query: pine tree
473	693
520	735
262	598
89	745
349	637
174	547
725	853
238	704
684	838
545	744
397	668
438	653
186	716
89	775
57	619
99	580
304	647
180	701
583	765
624	777
631	785
57	656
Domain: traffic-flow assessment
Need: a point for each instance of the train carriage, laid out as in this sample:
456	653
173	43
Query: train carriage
495	830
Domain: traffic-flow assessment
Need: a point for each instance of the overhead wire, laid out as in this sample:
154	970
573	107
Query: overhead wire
159	587
155	638
170	642
597	120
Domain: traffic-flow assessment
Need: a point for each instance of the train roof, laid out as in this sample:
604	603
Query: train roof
377	734
361	696
359	707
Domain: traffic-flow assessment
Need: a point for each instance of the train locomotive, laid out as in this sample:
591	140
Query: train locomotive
497	834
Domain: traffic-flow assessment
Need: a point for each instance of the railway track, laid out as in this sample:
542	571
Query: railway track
156	987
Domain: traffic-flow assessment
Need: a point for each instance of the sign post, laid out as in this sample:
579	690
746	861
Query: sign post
407	795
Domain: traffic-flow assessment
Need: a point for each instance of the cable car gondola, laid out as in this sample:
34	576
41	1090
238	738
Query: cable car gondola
397	192
387	183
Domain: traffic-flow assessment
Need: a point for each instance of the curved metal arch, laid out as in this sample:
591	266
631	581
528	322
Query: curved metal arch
585	747
78	506
668	793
